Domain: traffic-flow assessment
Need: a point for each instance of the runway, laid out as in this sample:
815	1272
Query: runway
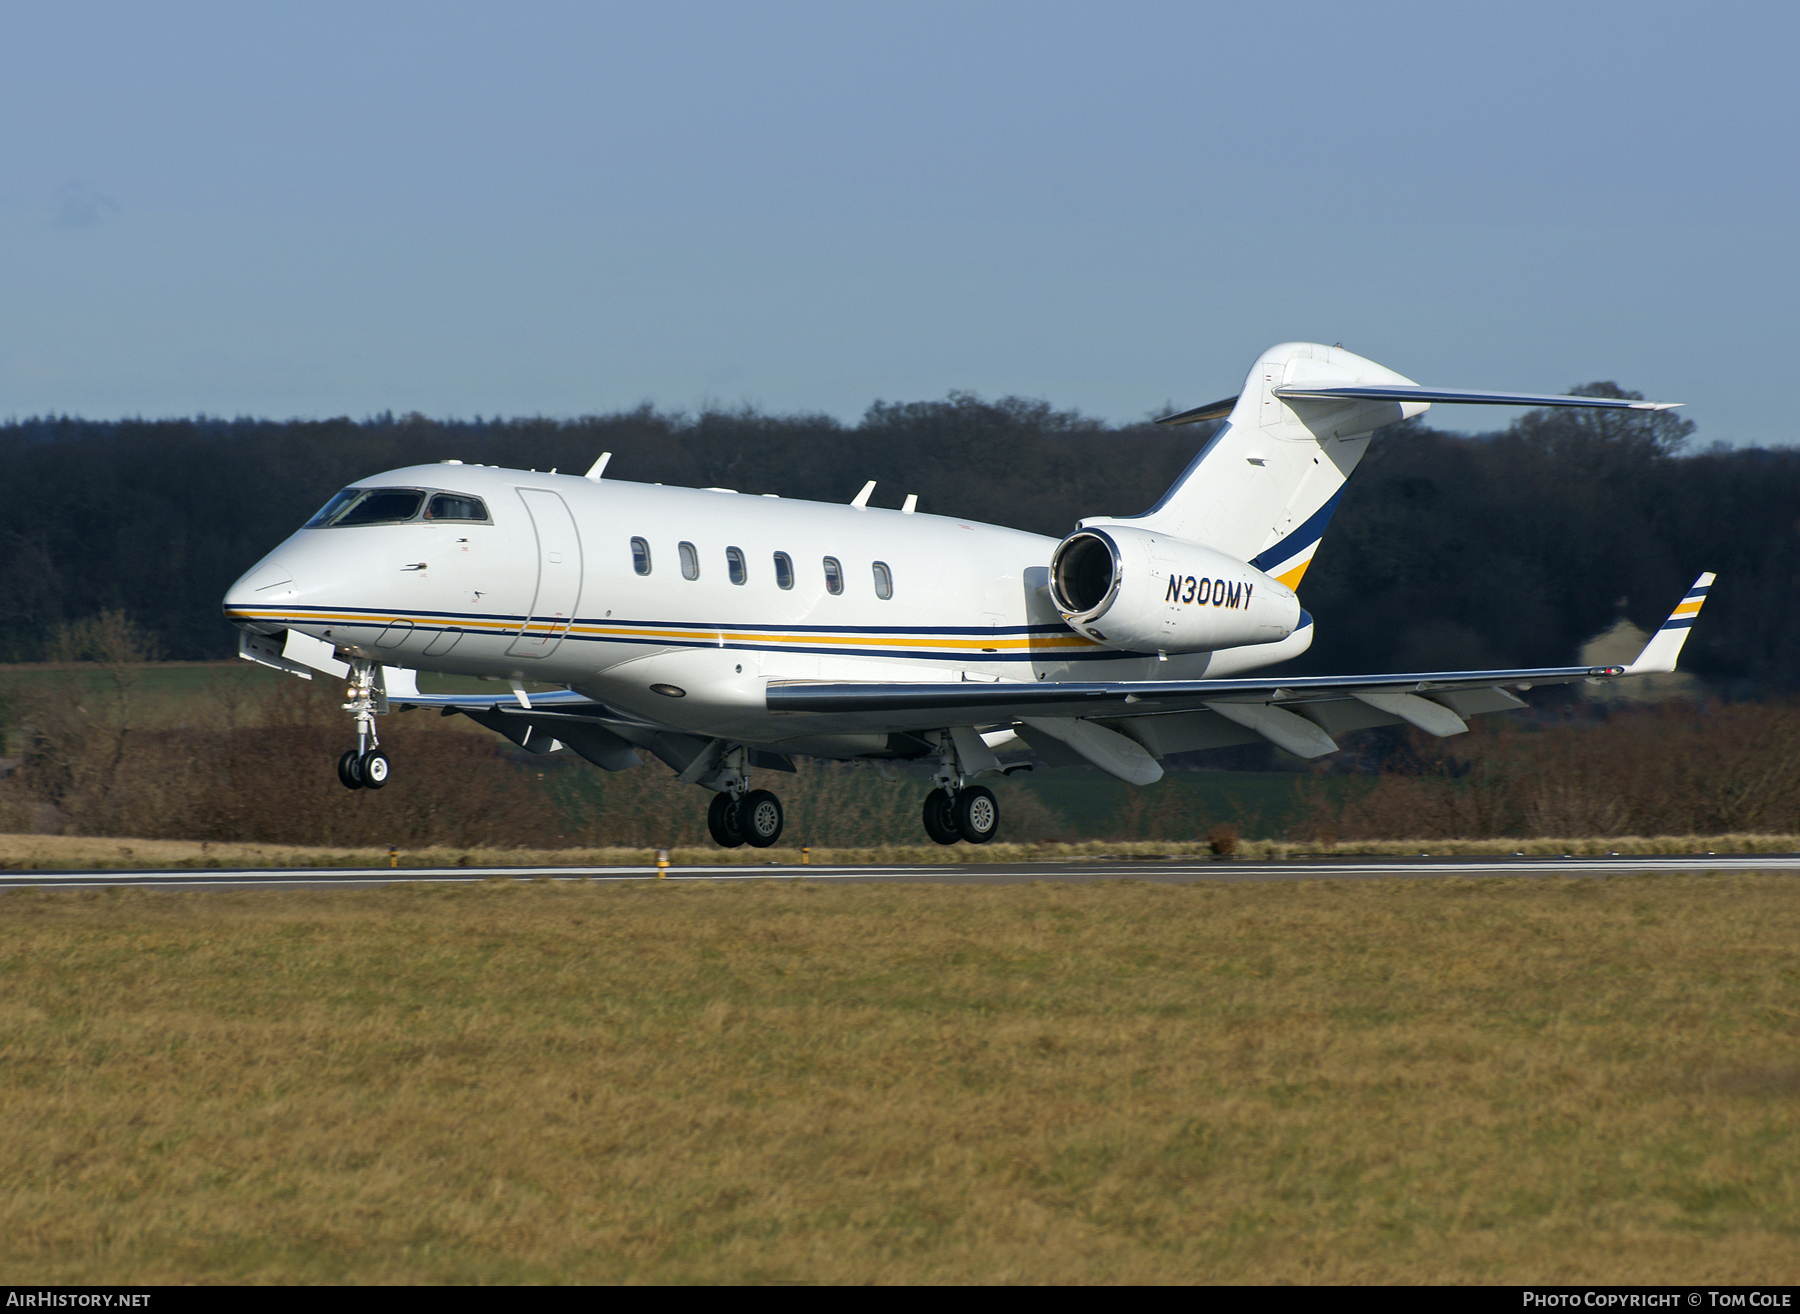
1176	871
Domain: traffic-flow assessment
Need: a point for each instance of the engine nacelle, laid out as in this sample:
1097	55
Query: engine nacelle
1142	592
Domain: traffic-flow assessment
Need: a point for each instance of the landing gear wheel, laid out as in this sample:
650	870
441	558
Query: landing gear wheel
977	815
759	817
347	773
722	821
939	823
374	769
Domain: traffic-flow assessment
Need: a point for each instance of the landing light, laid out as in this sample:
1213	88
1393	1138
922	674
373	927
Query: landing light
669	690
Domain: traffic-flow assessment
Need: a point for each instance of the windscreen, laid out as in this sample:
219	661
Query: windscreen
368	506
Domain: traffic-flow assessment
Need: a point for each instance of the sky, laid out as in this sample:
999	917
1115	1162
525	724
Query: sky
564	209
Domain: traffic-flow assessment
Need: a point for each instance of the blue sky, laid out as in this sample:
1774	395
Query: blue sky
560	209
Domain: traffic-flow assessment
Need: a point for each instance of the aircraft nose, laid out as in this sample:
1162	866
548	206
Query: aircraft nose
259	594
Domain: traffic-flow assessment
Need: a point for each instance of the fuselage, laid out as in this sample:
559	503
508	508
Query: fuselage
681	605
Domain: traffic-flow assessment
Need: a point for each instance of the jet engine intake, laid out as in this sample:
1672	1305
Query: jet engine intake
1137	591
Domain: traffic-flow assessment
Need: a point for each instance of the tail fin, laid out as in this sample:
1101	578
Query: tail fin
1264	488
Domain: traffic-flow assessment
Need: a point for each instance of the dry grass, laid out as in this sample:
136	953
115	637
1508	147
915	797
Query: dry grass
84	852
1503	1081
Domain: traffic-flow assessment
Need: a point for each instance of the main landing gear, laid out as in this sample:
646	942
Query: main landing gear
740	815
955	810
971	814
365	766
755	819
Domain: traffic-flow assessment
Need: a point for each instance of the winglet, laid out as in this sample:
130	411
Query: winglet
1658	656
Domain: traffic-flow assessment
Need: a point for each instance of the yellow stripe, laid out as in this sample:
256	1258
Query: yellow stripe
1293	577
931	642
1688	608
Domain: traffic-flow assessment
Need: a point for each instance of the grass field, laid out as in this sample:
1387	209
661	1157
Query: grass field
1495	1081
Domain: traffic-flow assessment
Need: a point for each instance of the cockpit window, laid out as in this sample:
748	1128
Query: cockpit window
455	506
337	503
392	506
369	506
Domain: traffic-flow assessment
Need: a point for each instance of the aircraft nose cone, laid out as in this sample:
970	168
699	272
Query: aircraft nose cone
262	590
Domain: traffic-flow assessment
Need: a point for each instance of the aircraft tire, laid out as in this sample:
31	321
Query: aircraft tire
373	769
347	770
939	823
760	817
722	821
977	814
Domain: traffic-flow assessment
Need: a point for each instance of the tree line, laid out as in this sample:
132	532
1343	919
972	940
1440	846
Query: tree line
1448	550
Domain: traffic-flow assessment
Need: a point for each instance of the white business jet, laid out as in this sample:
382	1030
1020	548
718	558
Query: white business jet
721	632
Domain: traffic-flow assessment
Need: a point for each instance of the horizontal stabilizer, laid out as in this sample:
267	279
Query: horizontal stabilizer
1463	396
1658	656
1218	410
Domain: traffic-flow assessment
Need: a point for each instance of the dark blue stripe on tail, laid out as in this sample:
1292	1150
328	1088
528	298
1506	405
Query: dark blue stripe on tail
1303	537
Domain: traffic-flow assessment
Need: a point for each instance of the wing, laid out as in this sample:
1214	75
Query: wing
1123	726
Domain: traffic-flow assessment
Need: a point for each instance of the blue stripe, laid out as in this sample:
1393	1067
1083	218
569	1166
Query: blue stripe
1305	536
1678	622
977	631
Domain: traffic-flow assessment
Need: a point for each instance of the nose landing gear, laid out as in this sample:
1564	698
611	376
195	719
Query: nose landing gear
365	766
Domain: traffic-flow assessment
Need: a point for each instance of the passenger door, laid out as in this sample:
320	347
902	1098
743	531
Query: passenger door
559	575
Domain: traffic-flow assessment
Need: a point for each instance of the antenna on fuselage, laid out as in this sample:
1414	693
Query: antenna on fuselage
599	467
910	505
862	498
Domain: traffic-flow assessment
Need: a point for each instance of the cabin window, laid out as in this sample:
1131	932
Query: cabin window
369	506
455	506
784	571
640	556
734	565
834	576
690	562
884	580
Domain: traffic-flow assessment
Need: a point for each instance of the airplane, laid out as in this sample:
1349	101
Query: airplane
721	632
